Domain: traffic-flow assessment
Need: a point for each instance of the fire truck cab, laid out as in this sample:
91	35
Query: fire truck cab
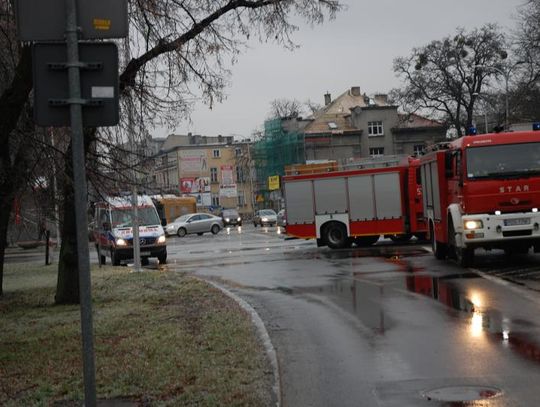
483	191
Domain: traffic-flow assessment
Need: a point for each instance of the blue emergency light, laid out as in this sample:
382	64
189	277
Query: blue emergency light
472	131
536	126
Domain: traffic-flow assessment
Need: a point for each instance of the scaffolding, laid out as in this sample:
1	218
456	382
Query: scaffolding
276	149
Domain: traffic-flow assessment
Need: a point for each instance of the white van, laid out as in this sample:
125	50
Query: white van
113	230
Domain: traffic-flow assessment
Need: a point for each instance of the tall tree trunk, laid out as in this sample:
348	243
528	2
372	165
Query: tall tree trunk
5	211
67	287
12	167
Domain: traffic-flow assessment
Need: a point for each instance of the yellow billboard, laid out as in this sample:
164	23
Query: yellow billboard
273	182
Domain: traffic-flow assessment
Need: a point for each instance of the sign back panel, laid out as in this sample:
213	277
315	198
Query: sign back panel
45	20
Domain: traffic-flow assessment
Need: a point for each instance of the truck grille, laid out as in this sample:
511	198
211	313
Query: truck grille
515	233
144	241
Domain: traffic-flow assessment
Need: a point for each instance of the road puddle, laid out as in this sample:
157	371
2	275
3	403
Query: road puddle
483	320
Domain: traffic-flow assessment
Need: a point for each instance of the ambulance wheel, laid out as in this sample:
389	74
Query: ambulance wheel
115	261
439	249
102	258
335	234
363	241
162	258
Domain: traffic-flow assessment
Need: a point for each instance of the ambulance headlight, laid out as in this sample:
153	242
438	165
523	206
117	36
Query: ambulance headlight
473	224
161	239
121	242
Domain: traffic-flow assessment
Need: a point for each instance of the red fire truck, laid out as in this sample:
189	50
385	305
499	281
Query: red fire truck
356	205
483	191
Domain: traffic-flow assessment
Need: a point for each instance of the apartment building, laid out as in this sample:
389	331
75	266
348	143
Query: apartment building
216	170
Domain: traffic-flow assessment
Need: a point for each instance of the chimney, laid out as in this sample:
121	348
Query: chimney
355	91
327	99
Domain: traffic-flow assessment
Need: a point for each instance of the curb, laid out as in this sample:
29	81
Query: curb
263	335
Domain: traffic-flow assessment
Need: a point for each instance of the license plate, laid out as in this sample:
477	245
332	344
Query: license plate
517	222
146	253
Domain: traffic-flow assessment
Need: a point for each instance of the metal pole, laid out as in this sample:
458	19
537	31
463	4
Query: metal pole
55	187
506	101
134	194
79	183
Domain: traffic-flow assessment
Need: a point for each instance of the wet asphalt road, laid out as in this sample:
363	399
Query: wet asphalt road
384	326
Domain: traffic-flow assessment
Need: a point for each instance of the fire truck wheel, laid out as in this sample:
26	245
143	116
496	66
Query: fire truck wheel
335	234
363	241
464	256
400	238
439	249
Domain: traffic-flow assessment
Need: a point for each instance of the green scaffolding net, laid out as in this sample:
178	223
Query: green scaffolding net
277	148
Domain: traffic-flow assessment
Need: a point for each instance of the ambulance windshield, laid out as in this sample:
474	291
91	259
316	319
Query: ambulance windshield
121	218
503	161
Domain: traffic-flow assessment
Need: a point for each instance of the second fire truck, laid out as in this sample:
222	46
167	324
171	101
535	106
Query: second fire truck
357	205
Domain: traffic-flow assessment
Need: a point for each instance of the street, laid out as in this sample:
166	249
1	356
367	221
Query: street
383	326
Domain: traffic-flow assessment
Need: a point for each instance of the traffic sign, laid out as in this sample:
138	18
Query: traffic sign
99	84
45	20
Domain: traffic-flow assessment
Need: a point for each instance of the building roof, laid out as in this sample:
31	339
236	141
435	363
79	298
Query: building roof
413	121
335	116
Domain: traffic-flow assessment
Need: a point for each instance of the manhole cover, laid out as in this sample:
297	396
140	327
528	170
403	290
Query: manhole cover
462	393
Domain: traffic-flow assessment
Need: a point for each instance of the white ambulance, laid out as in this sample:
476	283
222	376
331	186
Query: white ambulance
113	230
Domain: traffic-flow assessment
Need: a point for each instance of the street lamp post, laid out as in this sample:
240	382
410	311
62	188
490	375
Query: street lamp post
506	76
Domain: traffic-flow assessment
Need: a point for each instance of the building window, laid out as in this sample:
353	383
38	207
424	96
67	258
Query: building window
241	198
215	200
376	151
418	149
216	153
240	174
375	128
238	151
213	174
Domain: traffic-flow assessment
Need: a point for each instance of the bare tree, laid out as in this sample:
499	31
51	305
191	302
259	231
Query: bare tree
281	108
445	77
183	51
525	95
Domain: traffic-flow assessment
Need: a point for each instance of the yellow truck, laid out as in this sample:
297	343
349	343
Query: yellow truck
170	207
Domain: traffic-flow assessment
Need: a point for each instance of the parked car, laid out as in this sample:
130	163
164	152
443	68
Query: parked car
265	217
194	223
281	218
231	217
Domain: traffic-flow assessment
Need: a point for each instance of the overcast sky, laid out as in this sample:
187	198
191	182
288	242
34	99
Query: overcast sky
355	49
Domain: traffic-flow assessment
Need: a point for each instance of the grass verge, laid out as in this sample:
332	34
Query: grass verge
161	338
